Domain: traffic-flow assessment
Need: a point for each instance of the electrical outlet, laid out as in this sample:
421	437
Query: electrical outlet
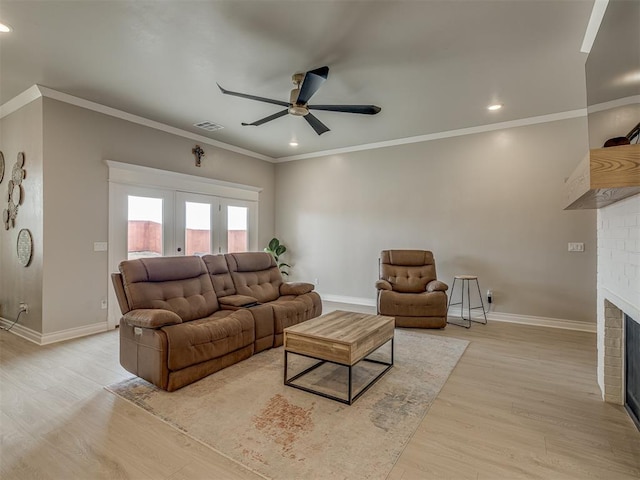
576	247
103	304
489	296
23	307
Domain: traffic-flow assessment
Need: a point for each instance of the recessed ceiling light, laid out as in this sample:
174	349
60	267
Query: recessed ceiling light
496	106
4	28
293	144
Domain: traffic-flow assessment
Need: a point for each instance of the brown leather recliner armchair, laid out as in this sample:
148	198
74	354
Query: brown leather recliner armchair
408	289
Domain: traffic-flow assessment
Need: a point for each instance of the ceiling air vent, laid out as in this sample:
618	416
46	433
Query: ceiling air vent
208	126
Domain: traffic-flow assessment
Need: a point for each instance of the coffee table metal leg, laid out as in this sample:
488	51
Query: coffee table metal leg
350	398
286	364
388	364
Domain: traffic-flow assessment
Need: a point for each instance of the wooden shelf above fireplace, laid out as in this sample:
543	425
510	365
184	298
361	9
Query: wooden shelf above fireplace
605	176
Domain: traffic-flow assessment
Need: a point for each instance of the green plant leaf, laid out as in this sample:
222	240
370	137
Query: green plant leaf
274	244
280	250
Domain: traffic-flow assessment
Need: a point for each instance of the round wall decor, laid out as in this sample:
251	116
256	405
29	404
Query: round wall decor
15	192
24	247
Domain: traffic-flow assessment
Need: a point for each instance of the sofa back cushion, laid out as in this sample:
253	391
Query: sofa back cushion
408	271
255	274
179	284
220	275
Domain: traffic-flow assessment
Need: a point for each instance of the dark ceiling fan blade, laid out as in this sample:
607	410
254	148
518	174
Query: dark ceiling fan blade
313	79
316	124
266	119
253	97
363	109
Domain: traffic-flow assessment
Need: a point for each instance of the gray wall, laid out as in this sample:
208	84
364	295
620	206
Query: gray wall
21	131
488	204
615	122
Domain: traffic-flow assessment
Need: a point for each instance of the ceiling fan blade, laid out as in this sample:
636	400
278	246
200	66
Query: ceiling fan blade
266	119
362	109
253	97
316	124
313	79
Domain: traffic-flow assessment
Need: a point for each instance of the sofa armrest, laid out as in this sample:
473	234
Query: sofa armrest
437	286
296	288
151	318
237	301
383	285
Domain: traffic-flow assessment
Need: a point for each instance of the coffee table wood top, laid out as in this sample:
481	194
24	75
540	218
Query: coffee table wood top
340	337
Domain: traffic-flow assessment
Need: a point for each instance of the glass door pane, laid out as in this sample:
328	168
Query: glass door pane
144	227
195	228
198	228
237	232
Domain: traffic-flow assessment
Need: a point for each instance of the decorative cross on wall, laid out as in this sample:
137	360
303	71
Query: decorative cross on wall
199	153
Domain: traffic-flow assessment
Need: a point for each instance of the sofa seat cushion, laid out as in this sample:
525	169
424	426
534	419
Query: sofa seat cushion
290	310
417	305
200	340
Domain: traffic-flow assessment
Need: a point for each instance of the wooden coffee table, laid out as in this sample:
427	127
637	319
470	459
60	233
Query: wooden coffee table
342	338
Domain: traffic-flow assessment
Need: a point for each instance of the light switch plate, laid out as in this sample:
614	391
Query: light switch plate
100	246
576	247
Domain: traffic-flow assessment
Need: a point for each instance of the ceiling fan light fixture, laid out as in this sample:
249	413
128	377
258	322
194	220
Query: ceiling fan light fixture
298	110
494	107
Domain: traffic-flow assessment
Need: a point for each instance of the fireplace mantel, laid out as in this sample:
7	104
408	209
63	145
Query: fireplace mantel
603	177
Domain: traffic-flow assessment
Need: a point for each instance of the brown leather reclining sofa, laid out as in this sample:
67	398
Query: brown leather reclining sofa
187	317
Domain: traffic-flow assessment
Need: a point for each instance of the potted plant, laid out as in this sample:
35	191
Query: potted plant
277	249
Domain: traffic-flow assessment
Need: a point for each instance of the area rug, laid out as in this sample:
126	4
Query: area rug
247	414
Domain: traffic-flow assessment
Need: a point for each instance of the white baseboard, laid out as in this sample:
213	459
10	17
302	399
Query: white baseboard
21	331
493	316
54	337
541	321
368	302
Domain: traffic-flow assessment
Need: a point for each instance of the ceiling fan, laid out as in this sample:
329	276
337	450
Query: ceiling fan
307	84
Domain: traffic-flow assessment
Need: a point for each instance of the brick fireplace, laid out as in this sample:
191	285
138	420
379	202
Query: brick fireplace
618	290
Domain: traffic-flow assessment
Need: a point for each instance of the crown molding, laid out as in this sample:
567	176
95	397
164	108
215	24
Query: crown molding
37	91
620	102
19	101
597	14
553	117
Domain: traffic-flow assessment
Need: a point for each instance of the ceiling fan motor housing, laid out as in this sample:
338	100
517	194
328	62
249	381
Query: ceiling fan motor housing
296	108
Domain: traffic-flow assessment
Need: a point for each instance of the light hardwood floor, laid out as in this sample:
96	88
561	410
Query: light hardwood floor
522	403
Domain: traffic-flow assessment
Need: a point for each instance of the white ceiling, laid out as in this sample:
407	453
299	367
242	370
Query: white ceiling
432	66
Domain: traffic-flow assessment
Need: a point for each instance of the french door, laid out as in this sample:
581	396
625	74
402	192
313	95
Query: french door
209	224
154	222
